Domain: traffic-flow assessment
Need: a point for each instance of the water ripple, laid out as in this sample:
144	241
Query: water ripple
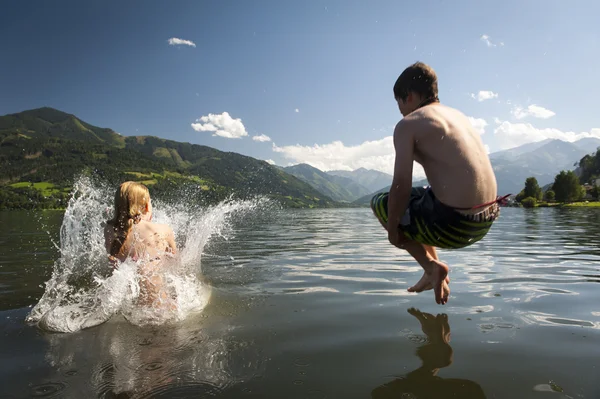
525	258
185	390
48	390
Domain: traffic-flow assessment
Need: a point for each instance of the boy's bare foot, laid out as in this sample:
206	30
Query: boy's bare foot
437	279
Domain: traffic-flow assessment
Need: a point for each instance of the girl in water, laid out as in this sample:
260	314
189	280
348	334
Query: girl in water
131	234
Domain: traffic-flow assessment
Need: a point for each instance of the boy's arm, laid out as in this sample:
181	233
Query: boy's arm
402	182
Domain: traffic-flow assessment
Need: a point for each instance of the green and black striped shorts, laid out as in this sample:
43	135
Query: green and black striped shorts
430	222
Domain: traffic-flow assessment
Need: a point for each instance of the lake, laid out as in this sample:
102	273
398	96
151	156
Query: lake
313	304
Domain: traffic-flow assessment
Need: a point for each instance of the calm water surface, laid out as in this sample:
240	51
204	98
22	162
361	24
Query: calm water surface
313	304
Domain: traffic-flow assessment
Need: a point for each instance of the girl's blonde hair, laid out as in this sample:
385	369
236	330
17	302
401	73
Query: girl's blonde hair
131	200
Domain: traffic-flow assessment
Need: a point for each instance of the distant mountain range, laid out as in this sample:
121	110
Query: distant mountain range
338	188
354	187
372	180
542	160
365	200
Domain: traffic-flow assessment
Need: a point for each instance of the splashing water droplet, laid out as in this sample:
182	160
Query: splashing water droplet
84	291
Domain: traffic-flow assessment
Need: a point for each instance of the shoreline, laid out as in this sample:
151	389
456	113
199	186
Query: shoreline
577	204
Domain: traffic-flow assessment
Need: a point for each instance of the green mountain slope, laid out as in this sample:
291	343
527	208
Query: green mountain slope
48	122
336	187
51	148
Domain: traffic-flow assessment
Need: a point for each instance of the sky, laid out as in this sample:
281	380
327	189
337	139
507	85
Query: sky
303	82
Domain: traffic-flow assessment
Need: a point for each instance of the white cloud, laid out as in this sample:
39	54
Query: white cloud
262	138
532	110
486	39
484	95
297	110
512	135
270	161
479	124
377	155
223	125
487	148
175	42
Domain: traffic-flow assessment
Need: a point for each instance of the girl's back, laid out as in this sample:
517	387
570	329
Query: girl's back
145	240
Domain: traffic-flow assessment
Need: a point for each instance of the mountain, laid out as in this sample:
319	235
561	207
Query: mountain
542	160
335	187
43	150
513	153
366	200
543	163
589	144
371	179
48	122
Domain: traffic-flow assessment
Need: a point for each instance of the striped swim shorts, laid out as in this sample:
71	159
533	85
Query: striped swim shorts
431	222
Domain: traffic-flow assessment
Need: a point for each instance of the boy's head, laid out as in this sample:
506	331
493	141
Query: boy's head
415	85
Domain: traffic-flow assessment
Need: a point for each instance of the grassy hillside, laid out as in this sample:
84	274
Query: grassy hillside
49	148
48	123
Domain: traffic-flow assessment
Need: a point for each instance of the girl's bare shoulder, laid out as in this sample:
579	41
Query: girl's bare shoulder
155	228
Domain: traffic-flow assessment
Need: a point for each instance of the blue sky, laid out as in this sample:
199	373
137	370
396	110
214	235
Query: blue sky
314	77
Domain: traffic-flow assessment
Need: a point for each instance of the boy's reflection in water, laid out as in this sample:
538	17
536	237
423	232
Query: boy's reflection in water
435	354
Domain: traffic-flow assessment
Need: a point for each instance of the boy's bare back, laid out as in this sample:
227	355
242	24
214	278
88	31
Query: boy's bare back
452	154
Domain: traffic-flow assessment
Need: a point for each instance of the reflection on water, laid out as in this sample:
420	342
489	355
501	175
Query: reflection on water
121	360
435	353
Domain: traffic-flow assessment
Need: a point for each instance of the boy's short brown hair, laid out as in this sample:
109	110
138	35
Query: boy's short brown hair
419	78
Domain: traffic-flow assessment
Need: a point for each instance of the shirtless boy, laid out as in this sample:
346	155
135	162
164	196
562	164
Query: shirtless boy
461	203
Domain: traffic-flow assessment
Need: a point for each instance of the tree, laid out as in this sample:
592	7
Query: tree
589	166
520	196
532	189
567	187
550	195
595	192
529	202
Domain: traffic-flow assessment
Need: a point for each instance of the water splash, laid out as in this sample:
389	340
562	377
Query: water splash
85	291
